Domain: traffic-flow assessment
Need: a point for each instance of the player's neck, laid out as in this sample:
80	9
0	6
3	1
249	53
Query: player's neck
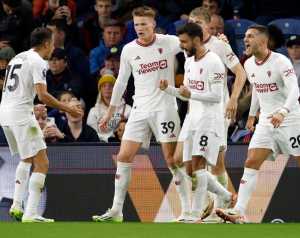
261	56
40	52
147	41
200	53
206	37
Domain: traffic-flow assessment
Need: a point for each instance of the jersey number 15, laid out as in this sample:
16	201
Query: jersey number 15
12	75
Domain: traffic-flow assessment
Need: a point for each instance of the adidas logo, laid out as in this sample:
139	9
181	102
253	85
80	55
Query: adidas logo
137	58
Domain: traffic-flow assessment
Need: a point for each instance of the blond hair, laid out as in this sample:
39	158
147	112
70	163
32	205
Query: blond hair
200	12
144	11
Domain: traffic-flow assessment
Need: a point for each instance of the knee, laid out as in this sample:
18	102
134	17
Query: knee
42	166
251	163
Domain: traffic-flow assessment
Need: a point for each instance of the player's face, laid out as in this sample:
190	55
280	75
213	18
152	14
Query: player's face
144	28
200	21
253	41
186	43
49	47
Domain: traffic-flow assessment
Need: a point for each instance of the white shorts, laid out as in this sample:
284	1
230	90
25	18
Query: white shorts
203	142
26	140
282	140
165	125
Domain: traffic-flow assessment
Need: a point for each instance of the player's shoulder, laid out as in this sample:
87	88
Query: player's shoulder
167	39
250	61
213	57
278	57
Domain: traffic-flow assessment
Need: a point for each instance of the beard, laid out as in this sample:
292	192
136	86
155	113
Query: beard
191	52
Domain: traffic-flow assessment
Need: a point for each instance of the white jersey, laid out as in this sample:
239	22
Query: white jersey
23	71
149	64
268	79
224	51
199	77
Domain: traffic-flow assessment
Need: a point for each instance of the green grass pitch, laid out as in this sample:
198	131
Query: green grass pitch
151	230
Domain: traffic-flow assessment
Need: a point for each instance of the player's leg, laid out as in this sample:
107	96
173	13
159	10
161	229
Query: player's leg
135	133
256	157
166	129
179	175
199	170
35	187
21	177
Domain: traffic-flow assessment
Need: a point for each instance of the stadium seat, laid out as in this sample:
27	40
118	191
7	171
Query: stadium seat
240	27
288	26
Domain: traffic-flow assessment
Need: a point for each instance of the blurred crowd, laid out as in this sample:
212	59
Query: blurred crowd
89	36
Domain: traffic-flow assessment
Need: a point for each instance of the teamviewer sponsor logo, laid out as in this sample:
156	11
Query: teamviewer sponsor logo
153	66
265	87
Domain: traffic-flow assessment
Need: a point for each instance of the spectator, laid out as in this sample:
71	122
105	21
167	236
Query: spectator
47	124
76	130
293	47
105	87
276	40
112	63
112	41
15	24
94	24
59	116
77	61
46	10
6	54
59	77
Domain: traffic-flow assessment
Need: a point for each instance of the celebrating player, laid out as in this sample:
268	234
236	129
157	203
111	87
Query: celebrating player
203	128
201	17
275	90
149	58
26	77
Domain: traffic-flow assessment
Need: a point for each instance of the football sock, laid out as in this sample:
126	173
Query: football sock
122	179
21	181
182	188
247	186
36	185
200	192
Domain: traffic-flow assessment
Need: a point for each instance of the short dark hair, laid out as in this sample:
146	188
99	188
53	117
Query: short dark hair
114	22
39	36
261	28
191	29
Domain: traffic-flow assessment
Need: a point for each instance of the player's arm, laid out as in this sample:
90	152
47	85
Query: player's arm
50	101
233	63
118	90
254	107
289	78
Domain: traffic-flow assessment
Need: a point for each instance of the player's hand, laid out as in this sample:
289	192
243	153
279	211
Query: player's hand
104	121
163	84
250	123
75	111
276	119
223	37
231	109
184	91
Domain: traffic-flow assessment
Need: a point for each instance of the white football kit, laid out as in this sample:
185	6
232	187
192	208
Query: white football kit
21	129
153	110
274	88
203	128
230	60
